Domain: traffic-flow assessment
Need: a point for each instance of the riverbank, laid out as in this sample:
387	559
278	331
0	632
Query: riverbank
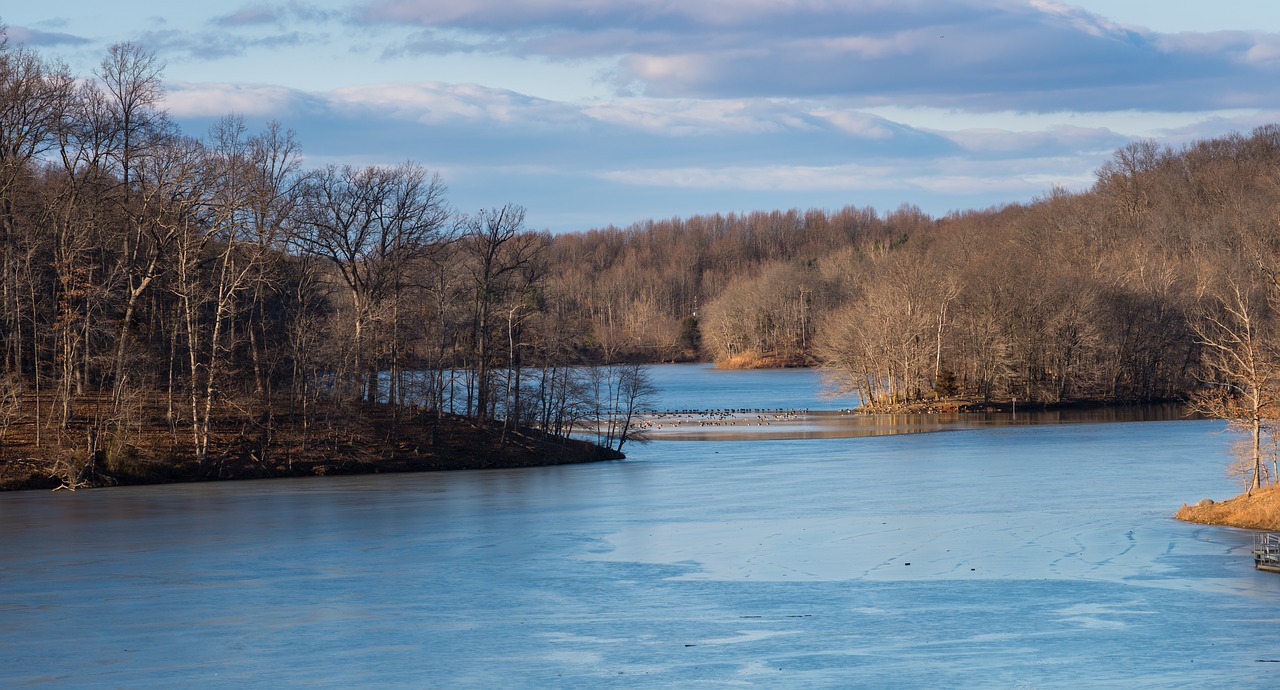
752	360
1260	511
367	439
966	405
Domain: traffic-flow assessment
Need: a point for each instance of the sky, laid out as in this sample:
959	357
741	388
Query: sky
591	113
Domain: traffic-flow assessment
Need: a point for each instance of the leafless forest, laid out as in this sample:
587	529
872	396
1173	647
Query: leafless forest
216	276
1125	292
216	283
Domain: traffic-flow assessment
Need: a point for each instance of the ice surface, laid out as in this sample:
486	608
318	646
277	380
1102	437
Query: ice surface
1040	557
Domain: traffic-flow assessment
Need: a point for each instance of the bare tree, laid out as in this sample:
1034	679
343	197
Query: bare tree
498	248
274	158
131	75
371	224
1238	336
621	393
882	345
79	223
33	96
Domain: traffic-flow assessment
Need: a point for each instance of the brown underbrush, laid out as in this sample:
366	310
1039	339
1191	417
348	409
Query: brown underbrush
1259	510
933	406
755	360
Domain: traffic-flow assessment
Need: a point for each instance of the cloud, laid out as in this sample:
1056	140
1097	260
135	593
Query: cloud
277	14
977	55
661	17
738	116
212	45
498	125
617	159
1215	125
949	176
253	15
1080	19
33	37
196	101
270	26
795	178
995	141
478	107
434	103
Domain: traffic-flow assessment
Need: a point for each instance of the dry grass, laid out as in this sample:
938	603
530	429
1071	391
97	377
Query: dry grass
755	360
1259	511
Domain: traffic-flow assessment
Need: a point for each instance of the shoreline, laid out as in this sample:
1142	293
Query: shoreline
1259	511
791	424
966	406
367	441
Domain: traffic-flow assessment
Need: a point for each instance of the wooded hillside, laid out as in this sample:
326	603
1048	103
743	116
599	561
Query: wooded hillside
1104	294
215	276
215	289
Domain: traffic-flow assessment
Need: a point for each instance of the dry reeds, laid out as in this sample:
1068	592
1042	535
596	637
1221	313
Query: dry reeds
754	360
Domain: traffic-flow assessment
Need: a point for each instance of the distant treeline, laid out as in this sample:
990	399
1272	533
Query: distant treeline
1113	294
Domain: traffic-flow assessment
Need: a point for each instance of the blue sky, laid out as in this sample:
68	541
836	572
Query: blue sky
592	113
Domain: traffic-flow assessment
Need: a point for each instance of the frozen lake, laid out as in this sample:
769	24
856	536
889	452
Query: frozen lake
1034	556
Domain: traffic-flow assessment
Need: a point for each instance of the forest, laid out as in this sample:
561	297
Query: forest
214	289
1110	294
167	295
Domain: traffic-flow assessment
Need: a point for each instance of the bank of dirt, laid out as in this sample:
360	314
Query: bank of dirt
1259	510
367	439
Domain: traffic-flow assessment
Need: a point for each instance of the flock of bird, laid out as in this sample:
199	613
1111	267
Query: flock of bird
703	418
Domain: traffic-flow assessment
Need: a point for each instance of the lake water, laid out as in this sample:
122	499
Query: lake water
1010	556
703	387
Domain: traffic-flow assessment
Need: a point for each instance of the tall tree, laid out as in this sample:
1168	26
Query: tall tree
274	157
34	94
1239	335
131	76
371	224
498	248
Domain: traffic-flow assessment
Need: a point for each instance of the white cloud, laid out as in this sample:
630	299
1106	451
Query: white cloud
436	103
1087	22
692	117
1057	137
1033	55
856	123
795	178
1264	51
214	99
1014	178
1011	179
